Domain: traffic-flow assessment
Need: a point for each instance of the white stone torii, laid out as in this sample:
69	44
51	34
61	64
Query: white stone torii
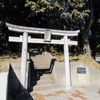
25	39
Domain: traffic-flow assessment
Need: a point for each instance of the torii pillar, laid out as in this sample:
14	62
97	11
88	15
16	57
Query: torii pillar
66	60
24	59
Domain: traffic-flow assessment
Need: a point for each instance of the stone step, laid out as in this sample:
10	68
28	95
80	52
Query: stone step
43	77
61	96
41	66
42	82
42	69
38	59
40	78
44	87
50	90
41	63
38	56
38	70
40	74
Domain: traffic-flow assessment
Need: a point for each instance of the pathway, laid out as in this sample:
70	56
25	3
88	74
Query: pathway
41	78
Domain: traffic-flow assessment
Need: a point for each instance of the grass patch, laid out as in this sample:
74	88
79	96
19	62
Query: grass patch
5	59
81	58
89	61
99	92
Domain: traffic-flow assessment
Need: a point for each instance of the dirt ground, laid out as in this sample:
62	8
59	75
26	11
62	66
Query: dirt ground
6	59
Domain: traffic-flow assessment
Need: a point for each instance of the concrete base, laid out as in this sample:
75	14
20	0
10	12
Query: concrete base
3	85
89	78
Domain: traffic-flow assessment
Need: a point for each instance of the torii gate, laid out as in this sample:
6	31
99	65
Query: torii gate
47	40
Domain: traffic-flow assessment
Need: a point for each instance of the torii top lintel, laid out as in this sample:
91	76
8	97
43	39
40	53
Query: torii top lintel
22	29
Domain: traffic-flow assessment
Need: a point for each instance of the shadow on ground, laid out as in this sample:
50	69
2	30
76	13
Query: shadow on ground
15	89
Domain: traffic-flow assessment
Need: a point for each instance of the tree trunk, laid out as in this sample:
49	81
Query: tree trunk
86	44
84	29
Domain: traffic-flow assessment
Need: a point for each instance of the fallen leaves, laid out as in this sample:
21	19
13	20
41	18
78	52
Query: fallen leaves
37	96
56	93
76	94
79	94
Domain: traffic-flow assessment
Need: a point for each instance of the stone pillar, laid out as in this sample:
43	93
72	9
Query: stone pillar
66	59
24	59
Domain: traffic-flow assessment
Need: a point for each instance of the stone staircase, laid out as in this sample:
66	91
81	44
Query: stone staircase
45	81
42	83
41	78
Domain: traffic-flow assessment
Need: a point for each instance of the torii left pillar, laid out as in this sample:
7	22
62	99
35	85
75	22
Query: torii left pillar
66	58
24	59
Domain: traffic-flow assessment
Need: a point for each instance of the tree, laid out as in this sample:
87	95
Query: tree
45	12
77	14
81	11
3	41
10	11
95	38
58	14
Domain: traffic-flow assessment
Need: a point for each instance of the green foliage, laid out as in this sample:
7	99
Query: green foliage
51	48
44	5
3	42
1	3
77	10
98	21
